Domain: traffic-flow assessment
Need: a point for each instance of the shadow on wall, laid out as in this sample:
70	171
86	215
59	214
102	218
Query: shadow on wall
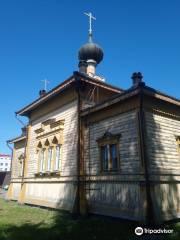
67	194
162	154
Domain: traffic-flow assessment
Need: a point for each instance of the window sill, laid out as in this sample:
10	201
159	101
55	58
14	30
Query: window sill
47	174
110	172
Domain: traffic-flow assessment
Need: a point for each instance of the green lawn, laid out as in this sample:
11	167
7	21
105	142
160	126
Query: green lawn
31	223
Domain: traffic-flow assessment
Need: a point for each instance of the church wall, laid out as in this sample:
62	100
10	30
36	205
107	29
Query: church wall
57	190
16	186
161	143
69	147
124	124
163	164
111	193
55	195
117	199
19	148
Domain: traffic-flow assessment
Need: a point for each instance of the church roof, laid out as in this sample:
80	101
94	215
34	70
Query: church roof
16	139
133	91
64	85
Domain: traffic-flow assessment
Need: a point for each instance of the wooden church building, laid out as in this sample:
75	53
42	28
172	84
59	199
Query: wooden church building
90	147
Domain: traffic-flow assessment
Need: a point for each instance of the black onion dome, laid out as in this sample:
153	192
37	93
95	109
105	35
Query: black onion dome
90	51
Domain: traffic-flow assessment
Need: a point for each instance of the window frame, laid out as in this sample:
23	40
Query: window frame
42	159
46	165
49	159
109	139
57	162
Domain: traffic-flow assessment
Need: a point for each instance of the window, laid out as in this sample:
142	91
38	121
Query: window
57	158
6	164
49	159
109	156
113	156
42	159
49	152
1	164
104	157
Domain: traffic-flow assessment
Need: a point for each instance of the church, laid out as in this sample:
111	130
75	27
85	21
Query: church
91	147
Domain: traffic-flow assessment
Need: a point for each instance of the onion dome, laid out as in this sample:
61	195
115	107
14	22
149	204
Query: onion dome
90	51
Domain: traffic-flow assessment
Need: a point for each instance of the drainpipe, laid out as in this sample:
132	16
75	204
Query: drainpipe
77	88
144	157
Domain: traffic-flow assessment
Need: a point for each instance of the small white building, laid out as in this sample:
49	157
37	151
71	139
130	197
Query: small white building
5	162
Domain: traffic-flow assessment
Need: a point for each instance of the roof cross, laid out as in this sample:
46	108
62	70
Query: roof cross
90	24
45	83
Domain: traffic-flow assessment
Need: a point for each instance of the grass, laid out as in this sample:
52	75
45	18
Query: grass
31	223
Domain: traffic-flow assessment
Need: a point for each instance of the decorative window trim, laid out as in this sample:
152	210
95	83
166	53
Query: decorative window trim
39	145
48	122
21	164
39	130
44	169
108	137
50	135
59	123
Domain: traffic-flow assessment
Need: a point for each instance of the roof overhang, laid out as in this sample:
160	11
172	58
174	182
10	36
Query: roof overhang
61	87
64	85
17	139
131	93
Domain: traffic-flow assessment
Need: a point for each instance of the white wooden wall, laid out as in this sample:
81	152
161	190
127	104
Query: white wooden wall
114	196
55	191
15	162
69	147
164	164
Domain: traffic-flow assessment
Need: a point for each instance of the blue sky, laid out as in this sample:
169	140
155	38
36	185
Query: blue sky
40	39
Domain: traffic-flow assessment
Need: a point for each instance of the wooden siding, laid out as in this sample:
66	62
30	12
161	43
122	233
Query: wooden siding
166	200
161	143
115	199
126	125
19	148
56	195
114	194
163	164
69	147
16	190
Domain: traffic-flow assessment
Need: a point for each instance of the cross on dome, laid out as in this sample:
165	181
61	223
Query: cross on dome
90	24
